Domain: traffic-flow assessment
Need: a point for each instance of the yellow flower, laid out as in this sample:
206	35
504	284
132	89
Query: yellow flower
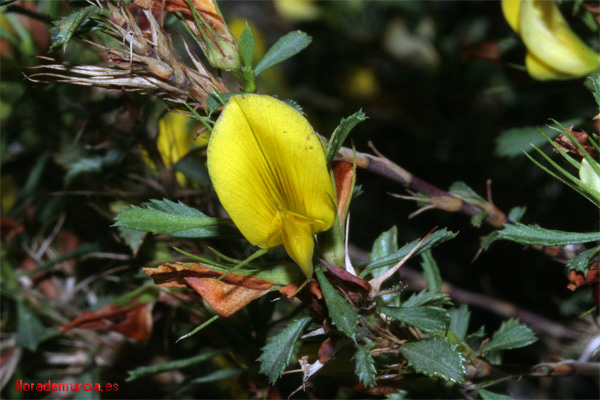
268	168
554	51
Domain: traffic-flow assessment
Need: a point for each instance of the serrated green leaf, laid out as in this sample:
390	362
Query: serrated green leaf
436	357
176	219
582	261
277	353
431	272
459	321
364	365
385	244
294	104
511	335
30	330
170	366
487	395
513	142
427	298
463	190
342	314
287	46
433	240
426	318
342	131
529	234
516	213
475	337
77	22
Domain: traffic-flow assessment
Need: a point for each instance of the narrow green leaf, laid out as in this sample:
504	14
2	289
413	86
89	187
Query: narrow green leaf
477	219
487	241
511	335
247	44
427	298
277	353
30	331
287	46
487	395
433	240
77	22
339	135
595	80
459	321
582	261
516	213
364	365
426	318
176	219
84	249
170	366
431	272
530	234
342	314
435	357
217	376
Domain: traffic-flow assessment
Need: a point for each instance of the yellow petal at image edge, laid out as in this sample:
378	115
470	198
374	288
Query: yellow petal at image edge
510	9
550	39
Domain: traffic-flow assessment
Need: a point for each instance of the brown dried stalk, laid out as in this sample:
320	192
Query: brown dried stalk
147	63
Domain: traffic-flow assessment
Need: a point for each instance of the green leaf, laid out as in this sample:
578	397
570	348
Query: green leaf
176	219
487	395
427	298
475	337
194	170
433	240
431	272
426	318
385	244
529	234
516	213
342	314
511	335
247	44
364	365
487	241
435	357
595	80
84	249
77	22
30	331
582	261
277	353
217	376
287	46
132	238
170	366
513	142
459	321
341	133
463	190
477	219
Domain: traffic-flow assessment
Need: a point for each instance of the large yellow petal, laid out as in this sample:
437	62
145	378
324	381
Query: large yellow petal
537	69
267	166
511	10
550	39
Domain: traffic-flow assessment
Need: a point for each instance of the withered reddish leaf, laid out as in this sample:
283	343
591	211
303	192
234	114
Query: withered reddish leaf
565	144
310	295
326	350
343	174
346	276
226	296
134	321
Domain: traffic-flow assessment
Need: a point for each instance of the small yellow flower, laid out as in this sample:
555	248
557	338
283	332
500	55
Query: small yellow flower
554	51
268	168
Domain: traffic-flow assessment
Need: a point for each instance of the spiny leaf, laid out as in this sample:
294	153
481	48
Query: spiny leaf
530	234
426	318
176	219
511	335
435	357
433	240
342	314
341	133
287	46
582	261
277	353
364	365
77	22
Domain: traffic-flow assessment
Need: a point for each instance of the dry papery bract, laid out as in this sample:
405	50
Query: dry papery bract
147	62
